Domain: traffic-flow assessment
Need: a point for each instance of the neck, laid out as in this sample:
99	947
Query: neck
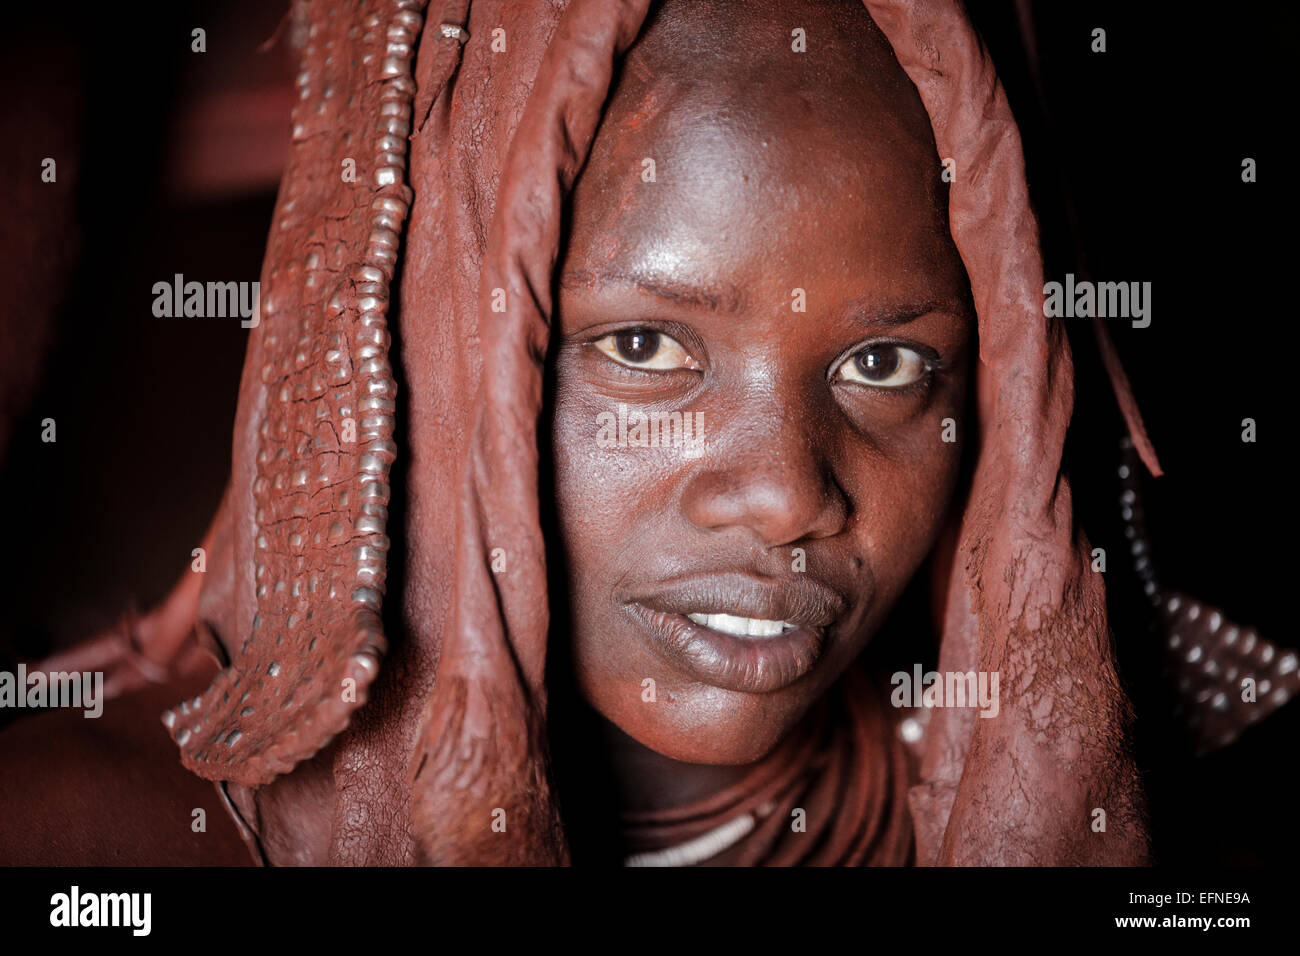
646	781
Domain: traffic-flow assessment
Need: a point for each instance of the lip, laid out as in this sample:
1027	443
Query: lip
755	665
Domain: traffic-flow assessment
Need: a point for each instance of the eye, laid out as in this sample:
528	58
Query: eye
884	366
647	349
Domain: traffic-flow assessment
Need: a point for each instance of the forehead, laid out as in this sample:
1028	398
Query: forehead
722	145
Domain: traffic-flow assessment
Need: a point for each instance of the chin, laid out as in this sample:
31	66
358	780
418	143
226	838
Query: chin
696	723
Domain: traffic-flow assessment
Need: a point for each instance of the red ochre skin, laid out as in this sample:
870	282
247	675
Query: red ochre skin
772	172
109	791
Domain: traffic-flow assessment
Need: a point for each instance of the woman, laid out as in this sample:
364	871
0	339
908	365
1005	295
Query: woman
796	474
808	229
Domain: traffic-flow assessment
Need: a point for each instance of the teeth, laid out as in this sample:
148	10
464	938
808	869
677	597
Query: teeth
741	626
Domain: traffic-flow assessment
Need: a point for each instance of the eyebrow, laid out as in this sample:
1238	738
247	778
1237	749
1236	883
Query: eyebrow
867	312
725	297
714	296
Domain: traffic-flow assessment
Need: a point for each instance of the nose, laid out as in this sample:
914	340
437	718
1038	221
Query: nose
772	480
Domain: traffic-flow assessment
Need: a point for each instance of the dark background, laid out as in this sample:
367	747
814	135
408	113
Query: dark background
169	162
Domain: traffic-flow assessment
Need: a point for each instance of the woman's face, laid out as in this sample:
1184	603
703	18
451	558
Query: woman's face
781	275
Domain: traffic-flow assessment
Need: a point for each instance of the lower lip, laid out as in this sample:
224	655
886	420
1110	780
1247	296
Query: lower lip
752	665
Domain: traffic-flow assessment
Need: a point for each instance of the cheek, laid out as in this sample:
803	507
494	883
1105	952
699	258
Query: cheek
613	506
617	507
901	500
608	504
606	497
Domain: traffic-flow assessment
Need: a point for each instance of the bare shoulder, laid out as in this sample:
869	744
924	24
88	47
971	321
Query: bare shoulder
109	791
